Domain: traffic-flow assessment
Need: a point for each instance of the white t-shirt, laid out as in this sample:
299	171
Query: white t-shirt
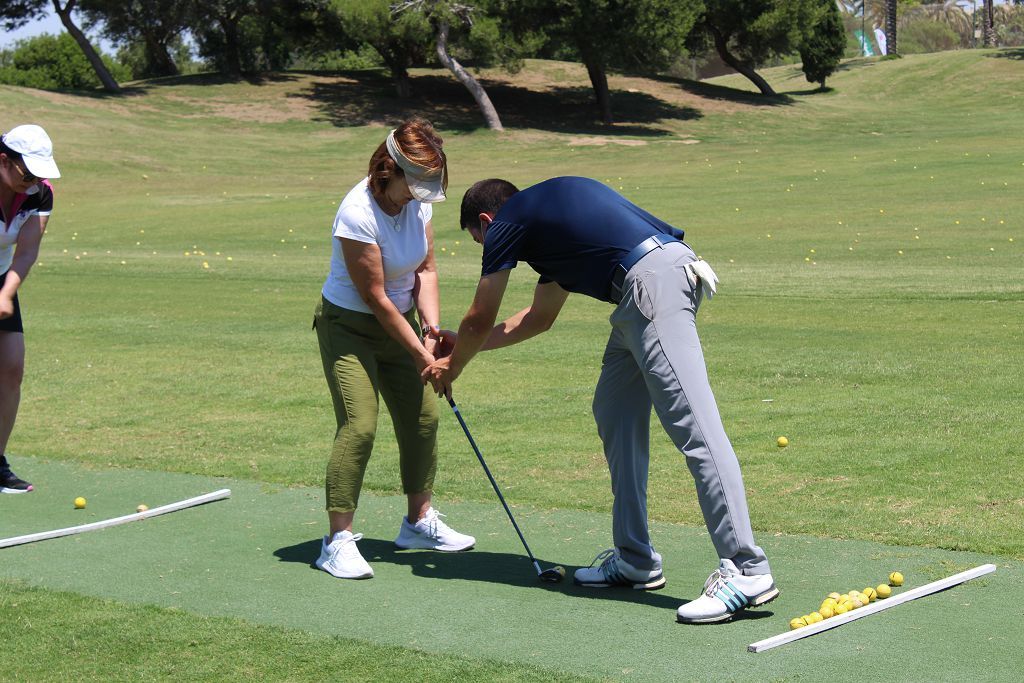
403	246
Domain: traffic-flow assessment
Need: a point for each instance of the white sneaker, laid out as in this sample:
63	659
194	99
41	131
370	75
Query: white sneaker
615	571
430	533
340	557
726	592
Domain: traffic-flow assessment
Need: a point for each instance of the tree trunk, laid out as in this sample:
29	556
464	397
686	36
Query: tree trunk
599	81
109	84
464	77
989	30
395	63
891	48
160	61
403	84
722	47
232	50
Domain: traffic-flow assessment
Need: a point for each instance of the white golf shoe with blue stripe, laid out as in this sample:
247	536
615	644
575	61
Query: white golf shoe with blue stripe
615	571
726	592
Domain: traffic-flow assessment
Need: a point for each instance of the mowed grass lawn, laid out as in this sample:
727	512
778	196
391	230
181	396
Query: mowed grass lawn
869	239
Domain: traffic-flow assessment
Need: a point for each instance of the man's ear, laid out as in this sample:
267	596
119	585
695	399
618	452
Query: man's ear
485	220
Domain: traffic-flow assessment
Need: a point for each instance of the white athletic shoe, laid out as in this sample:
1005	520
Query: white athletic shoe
340	557
726	592
430	533
615	571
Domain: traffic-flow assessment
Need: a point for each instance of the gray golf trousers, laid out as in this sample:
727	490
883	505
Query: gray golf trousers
653	357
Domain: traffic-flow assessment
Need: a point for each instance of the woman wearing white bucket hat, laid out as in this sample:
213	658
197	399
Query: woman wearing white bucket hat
26	199
377	324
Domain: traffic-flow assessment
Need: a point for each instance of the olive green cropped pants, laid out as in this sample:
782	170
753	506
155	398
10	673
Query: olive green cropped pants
362	363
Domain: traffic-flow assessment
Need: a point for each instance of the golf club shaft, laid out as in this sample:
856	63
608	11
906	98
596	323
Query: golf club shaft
494	484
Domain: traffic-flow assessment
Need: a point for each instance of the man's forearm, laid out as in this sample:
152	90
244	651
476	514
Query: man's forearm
519	327
473	333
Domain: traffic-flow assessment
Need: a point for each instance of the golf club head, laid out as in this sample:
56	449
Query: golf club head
553	575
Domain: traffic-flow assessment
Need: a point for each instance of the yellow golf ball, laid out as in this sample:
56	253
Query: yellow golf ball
827	611
816	616
870	593
79	503
883	591
142	507
796	623
834	596
782	442
842	608
895	579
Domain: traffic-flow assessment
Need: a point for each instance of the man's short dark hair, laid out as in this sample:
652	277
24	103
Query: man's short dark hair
485	196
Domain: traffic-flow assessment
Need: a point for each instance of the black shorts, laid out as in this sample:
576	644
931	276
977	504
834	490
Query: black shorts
12	324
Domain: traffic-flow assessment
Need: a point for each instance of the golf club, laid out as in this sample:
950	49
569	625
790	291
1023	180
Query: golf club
553	575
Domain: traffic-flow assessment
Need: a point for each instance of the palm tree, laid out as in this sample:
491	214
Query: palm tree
988	22
943	11
890	27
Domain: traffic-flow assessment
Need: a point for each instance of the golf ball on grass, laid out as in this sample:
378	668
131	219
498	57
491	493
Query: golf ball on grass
883	591
895	579
79	503
782	442
142	507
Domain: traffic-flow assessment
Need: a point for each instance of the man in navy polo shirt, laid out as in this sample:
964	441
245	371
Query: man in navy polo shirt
583	237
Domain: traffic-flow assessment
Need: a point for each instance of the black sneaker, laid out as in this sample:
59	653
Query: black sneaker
9	482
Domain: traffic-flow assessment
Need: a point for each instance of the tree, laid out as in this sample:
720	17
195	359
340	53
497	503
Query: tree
605	34
891	46
746	33
947	12
401	41
442	15
245	36
989	30
823	48
16	13
155	24
51	62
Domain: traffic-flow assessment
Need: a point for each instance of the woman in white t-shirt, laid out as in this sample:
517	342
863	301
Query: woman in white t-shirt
26	199
377	324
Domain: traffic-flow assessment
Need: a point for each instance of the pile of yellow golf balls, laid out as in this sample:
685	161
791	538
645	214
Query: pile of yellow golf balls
835	604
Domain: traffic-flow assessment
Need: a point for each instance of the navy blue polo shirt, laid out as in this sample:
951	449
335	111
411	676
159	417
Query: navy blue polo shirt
573	231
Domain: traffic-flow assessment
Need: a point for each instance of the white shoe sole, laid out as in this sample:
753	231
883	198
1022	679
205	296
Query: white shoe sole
440	548
762	599
654	584
320	565
4	489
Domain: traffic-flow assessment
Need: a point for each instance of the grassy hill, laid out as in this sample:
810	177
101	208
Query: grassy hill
868	238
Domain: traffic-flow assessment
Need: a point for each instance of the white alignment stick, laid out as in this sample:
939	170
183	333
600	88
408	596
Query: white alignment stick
162	510
878	606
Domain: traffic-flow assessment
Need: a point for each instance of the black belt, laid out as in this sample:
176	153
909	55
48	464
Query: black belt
632	258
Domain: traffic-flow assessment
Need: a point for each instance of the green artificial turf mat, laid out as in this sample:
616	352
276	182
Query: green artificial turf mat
250	558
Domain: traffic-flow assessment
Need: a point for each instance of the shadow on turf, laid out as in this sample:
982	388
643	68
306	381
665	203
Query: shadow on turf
477	565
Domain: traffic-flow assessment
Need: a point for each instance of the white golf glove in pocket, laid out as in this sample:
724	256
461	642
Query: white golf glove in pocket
699	272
